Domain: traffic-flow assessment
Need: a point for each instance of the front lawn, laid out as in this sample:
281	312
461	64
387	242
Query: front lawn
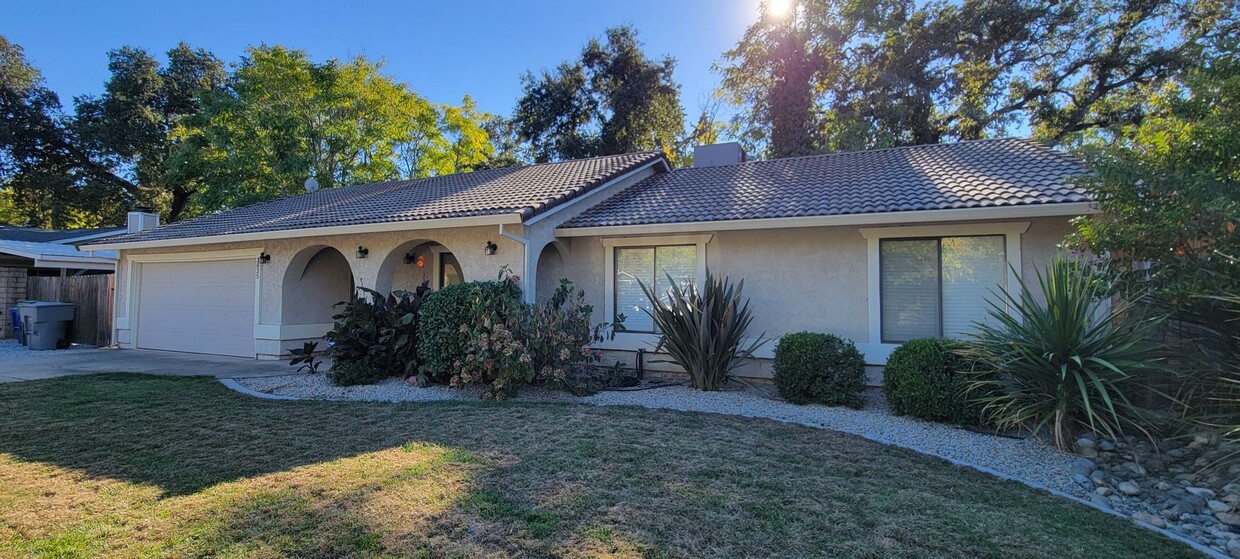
130	465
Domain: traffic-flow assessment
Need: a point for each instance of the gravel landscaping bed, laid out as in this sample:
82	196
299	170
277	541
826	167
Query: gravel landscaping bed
1029	460
11	349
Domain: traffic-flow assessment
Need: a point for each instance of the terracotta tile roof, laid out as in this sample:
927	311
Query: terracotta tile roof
1008	172
526	190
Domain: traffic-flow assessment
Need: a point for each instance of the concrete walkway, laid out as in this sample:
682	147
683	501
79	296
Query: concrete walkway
36	365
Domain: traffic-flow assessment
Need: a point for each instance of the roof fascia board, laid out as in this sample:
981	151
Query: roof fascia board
885	218
72	240
443	223
600	188
74	264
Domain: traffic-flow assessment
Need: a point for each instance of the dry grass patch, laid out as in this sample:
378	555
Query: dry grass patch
130	465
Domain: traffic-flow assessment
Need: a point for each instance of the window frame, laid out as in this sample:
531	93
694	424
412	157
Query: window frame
876	349
939	269
629	339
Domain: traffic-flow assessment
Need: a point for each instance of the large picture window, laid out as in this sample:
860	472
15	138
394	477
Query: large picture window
938	287
650	265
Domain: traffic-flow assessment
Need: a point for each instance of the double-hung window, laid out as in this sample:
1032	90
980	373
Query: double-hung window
938	286
652	266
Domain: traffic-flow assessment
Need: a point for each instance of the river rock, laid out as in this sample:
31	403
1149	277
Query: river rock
1129	488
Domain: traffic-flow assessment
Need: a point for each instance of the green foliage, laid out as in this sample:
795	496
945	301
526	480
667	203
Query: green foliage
88	167
927	379
703	330
495	353
306	357
445	318
377	335
1169	192
559	338
612	100
482	334
835	76
820	369
351	373
284	119
1065	359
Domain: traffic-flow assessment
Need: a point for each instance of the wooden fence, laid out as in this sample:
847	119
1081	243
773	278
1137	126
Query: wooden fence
93	295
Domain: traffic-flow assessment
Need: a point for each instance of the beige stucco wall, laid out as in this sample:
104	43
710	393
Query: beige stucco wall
383	268
797	279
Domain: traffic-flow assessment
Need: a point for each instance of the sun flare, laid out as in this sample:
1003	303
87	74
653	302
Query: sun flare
779	9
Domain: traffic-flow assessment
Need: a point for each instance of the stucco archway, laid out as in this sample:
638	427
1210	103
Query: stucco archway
549	270
317	278
409	265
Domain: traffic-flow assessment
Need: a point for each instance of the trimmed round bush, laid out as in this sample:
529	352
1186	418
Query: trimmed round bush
923	379
819	368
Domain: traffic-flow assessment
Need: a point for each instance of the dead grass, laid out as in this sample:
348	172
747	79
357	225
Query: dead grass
131	465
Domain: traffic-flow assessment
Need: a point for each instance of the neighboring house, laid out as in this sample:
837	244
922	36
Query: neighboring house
26	252
879	246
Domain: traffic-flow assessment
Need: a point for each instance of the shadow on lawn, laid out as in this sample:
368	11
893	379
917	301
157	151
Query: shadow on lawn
511	479
182	434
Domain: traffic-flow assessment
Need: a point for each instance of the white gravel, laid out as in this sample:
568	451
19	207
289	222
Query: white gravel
12	349
1028	460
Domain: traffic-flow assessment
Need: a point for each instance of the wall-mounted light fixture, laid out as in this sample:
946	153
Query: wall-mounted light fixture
362	252
264	258
490	249
409	258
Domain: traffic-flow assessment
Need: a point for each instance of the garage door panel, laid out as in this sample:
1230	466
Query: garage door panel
199	307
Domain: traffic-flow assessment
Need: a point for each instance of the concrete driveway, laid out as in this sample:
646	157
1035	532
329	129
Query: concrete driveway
35	365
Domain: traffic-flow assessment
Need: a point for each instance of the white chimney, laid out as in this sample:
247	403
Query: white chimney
142	219
714	155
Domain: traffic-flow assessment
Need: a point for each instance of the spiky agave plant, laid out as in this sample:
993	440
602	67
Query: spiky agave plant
1067	360
703	331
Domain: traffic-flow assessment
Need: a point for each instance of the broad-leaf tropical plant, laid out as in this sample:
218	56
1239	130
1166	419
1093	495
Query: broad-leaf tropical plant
703	330
1064	360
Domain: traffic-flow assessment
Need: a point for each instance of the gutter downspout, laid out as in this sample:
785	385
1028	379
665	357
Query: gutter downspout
527	289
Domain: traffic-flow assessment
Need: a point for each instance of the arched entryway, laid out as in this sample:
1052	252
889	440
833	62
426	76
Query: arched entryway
317	278
415	262
550	271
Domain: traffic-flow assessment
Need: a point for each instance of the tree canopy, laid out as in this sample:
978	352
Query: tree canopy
89	166
189	136
856	74
613	99
1169	190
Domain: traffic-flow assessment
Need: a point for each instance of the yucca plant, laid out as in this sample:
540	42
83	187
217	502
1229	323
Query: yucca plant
703	331
1066	360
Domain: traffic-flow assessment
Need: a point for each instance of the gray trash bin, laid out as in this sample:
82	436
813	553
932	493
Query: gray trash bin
45	324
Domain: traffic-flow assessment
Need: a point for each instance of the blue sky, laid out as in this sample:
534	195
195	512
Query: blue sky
443	50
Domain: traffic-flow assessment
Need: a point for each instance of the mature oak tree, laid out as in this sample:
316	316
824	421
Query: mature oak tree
858	74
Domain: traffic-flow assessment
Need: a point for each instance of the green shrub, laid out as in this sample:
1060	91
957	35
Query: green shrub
924	378
355	334
1064	360
482	334
819	368
349	373
445	320
703	330
377	332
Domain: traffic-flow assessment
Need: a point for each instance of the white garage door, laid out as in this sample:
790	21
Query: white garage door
197	307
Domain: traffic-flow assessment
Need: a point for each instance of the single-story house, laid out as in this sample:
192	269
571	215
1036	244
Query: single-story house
878	246
27	251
